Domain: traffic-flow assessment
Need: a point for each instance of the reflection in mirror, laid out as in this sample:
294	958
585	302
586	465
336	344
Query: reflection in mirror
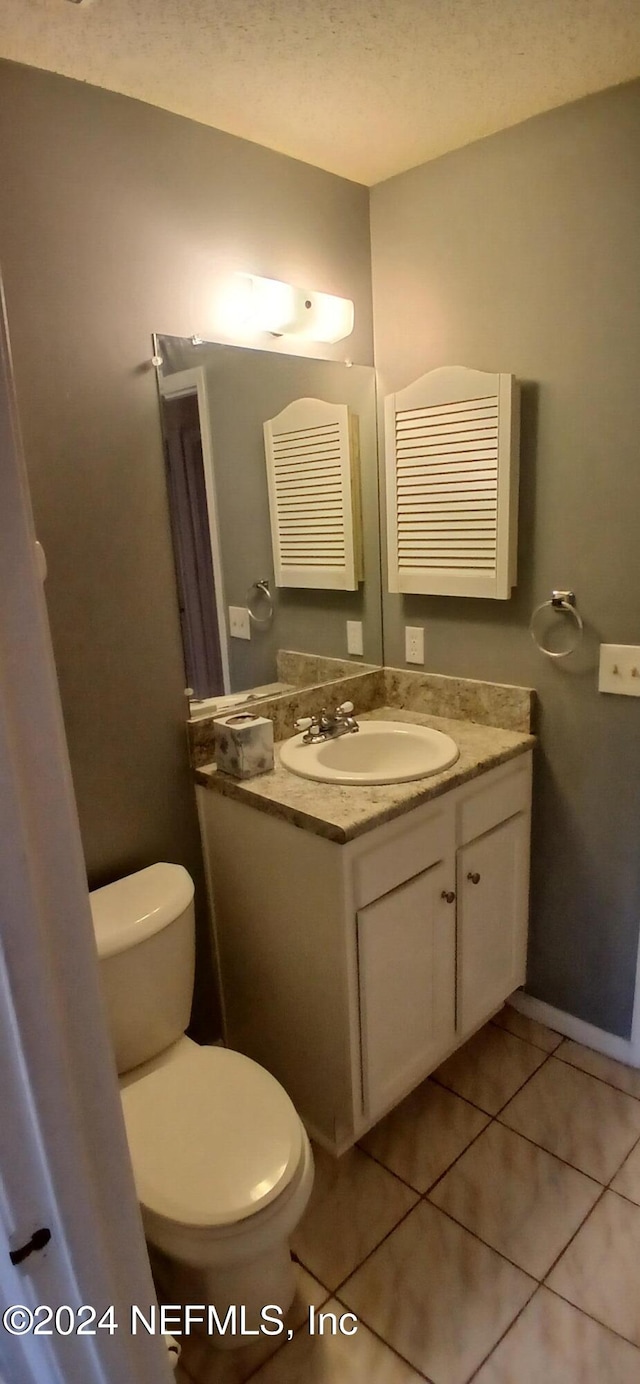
275	530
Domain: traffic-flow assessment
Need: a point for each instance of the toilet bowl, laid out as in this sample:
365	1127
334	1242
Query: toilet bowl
221	1160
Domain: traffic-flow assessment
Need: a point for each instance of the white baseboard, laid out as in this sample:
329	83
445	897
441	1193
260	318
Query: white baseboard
622	1049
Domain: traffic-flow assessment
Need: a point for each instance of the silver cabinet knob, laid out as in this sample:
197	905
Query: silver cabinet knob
474	876
448	895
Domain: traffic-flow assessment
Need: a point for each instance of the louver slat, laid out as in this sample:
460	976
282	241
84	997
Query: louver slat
313	495
451	459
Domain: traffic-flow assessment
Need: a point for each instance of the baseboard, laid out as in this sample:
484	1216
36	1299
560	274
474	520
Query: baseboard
622	1049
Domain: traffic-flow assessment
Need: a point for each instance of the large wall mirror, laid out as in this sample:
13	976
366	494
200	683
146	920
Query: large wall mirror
248	589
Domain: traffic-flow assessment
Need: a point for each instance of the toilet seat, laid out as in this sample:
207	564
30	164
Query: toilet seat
213	1137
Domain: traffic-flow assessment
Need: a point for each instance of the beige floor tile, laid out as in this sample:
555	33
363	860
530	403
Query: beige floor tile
627	1181
616	1073
206	1365
354	1204
339	1359
423	1135
581	1120
490	1068
529	1029
438	1295
599	1270
552	1343
517	1198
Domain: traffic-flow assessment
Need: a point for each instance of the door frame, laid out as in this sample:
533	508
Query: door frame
193	381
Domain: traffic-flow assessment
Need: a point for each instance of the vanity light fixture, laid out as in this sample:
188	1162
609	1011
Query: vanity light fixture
269	305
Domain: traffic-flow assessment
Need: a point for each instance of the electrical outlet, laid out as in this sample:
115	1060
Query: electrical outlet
620	669
354	637
414	644
239	622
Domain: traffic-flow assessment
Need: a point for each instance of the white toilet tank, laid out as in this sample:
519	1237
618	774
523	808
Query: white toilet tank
145	932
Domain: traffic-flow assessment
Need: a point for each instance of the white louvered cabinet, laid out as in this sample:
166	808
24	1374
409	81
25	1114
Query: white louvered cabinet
313	478
451	461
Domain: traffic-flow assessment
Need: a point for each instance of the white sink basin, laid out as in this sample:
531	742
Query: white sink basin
380	752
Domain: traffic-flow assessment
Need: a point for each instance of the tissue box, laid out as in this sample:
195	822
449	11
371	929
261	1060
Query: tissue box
243	744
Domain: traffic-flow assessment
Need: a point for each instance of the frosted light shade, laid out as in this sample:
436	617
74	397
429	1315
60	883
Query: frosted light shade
269	305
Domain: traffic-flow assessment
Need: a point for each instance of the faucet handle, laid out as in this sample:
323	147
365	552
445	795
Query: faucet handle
346	708
303	723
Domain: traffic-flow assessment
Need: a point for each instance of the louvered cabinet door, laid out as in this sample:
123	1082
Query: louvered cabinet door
312	480
451	456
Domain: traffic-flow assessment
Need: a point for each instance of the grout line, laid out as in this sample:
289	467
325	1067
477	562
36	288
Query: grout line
623	1196
375	1159
457	1158
441	1086
367	1256
552	1154
606	1187
598	1322
394	1349
526	1081
602	1079
572	1238
530	1041
451	1091
297	1260
485	1243
501	1338
493	1114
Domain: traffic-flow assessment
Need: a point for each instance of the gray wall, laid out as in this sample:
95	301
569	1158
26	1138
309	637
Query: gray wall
244	388
520	254
118	219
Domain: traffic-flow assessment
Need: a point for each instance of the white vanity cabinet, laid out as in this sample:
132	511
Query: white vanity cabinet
352	970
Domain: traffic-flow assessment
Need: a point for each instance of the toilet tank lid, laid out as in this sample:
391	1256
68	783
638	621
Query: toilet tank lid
134	908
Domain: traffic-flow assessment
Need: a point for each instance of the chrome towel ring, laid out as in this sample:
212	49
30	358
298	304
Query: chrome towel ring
259	591
564	602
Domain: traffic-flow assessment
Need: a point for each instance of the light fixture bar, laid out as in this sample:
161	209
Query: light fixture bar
270	305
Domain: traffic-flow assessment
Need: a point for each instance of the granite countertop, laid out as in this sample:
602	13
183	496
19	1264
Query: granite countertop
341	813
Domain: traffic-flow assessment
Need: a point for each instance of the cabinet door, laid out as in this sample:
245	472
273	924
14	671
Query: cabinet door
493	897
406	959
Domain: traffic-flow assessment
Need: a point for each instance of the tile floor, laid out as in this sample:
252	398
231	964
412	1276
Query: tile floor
487	1230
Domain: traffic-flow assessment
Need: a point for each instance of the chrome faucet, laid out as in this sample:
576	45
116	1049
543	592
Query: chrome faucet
328	725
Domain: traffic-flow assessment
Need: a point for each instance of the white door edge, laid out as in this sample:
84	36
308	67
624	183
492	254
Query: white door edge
64	1161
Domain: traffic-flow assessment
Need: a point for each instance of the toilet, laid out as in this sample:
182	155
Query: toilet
222	1163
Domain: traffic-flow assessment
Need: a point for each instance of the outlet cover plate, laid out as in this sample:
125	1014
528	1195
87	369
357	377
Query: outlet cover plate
620	669
414	644
354	637
239	622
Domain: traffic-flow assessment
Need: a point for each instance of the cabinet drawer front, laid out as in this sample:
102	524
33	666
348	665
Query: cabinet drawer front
483	807
404	852
406	962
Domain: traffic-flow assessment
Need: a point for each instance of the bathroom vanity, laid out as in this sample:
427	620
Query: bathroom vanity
364	934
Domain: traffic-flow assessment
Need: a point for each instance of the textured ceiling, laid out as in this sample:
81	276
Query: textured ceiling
365	88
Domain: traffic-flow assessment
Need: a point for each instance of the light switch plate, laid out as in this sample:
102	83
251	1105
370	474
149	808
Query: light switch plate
354	637
620	669
414	644
239	622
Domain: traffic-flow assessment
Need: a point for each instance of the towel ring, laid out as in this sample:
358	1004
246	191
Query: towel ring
561	601
259	591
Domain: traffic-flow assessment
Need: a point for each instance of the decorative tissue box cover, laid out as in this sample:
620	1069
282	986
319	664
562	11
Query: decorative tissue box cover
243	744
